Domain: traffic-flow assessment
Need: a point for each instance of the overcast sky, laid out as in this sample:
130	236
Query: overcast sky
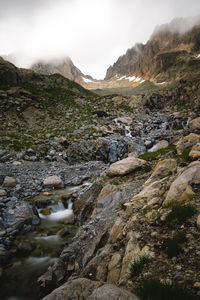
94	33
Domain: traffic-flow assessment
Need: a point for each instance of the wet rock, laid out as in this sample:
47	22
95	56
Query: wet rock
25	247
187	142
181	188
76	289
19	215
9	182
125	166
53	182
115	147
111	292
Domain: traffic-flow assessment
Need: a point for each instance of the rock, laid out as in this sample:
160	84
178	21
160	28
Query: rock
113	268
53	182
25	247
198	221
124	120
109	198
195	151
197	285
194	125
187	142
19	215
181	189
111	292
162	169
116	231
160	145
152	191
76	289
114	261
125	166
3	193
9	182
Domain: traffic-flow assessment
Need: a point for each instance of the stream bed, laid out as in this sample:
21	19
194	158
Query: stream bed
39	248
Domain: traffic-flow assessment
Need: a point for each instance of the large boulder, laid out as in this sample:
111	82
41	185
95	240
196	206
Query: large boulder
109	198
194	125
111	292
195	152
151	194
181	188
76	289
162	169
125	166
187	142
53	182
19	215
160	145
9	182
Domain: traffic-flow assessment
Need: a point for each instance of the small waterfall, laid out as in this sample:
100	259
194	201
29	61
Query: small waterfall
185	126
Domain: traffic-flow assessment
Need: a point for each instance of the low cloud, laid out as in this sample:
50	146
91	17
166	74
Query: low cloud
94	33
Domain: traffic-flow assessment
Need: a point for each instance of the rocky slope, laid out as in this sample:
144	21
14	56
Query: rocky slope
129	165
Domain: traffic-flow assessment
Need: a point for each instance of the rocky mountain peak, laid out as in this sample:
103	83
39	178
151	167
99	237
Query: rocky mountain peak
125	63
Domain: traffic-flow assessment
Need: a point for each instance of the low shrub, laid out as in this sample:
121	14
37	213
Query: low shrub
153	289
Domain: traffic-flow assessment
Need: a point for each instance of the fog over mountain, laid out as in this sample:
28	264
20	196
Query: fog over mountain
92	33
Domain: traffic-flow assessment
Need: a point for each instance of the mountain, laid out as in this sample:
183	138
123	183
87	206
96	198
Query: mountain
65	67
125	63
172	52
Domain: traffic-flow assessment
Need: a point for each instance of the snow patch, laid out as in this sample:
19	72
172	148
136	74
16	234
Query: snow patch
87	80
123	77
198	56
160	83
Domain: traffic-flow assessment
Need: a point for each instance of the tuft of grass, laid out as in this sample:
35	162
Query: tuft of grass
137	265
154	155
174	245
153	289
179	213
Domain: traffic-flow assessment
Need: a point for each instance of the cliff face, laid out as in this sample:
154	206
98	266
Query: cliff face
125	63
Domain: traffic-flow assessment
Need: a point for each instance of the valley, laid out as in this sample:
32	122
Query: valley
100	180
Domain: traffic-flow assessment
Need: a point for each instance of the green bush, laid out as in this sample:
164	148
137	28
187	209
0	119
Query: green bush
179	213
174	245
153	289
137	265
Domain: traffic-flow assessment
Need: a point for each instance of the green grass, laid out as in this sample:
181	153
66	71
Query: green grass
137	266
173	246
153	289
179	213
154	155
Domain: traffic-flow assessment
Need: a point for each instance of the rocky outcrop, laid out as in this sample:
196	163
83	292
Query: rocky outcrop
125	65
181	188
169	54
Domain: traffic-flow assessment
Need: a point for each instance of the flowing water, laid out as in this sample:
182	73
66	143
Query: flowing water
39	247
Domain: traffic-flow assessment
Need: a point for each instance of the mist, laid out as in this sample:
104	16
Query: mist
93	33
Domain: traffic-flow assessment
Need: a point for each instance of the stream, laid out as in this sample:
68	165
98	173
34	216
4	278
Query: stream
40	247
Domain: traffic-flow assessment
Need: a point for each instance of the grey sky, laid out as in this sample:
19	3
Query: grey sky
94	33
